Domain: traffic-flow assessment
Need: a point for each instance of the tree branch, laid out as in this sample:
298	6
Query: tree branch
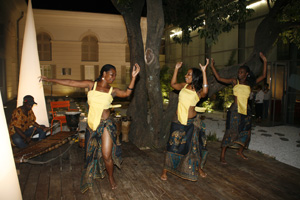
288	25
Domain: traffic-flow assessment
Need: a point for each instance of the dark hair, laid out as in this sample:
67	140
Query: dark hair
259	87
105	68
197	79
251	79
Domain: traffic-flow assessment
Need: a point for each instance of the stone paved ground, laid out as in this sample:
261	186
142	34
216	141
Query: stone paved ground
281	142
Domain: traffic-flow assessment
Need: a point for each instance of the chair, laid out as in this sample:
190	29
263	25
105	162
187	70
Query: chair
65	105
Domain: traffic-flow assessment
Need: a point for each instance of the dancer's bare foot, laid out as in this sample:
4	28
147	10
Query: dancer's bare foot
164	175
242	155
223	161
202	173
112	182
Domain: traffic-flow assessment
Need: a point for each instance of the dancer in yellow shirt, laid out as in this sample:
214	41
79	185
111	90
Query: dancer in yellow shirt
186	148
238	122
101	150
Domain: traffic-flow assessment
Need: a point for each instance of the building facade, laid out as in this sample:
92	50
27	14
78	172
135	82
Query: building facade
75	45
71	45
11	15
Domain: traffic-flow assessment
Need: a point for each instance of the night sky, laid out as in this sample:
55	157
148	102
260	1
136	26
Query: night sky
96	6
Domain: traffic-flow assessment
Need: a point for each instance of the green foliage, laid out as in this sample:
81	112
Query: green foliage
165	80
290	13
226	97
209	17
291	36
184	14
211	137
290	20
208	104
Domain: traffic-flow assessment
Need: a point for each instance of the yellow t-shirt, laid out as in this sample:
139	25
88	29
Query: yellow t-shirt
187	98
97	102
242	92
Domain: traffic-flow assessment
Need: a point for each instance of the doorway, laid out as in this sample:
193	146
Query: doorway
277	78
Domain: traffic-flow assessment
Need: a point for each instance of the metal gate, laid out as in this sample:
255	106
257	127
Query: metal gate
278	81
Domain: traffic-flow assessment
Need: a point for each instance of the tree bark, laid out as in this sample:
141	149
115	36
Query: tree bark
139	129
169	115
155	28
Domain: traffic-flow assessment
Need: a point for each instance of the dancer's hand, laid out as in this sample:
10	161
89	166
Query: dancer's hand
203	68
262	56
136	70
43	78
178	65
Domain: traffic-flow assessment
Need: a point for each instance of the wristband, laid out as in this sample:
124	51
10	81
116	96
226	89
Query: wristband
204	85
129	88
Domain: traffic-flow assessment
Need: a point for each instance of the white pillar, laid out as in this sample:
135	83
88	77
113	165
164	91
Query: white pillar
9	182
30	71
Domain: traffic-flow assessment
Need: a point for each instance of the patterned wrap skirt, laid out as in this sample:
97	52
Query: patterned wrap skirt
238	128
94	166
186	149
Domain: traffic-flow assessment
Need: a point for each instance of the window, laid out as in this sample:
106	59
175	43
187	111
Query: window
66	71
89	48
48	71
44	46
89	72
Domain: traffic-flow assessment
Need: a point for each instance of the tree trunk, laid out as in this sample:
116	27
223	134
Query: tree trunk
167	119
139	129
155	28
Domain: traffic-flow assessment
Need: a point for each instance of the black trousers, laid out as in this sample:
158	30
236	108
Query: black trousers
259	110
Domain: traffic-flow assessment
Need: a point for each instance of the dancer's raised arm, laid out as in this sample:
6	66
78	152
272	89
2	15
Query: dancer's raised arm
263	76
223	80
130	88
174	84
204	90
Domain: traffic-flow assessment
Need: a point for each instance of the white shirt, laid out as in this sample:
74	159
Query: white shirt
259	98
267	95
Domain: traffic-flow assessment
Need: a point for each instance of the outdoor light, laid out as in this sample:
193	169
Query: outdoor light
30	71
9	183
256	4
179	32
176	33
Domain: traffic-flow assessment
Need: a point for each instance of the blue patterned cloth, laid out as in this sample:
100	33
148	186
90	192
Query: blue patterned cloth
94	166
186	149
238	128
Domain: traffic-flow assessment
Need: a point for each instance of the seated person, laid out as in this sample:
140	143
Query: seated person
22	124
